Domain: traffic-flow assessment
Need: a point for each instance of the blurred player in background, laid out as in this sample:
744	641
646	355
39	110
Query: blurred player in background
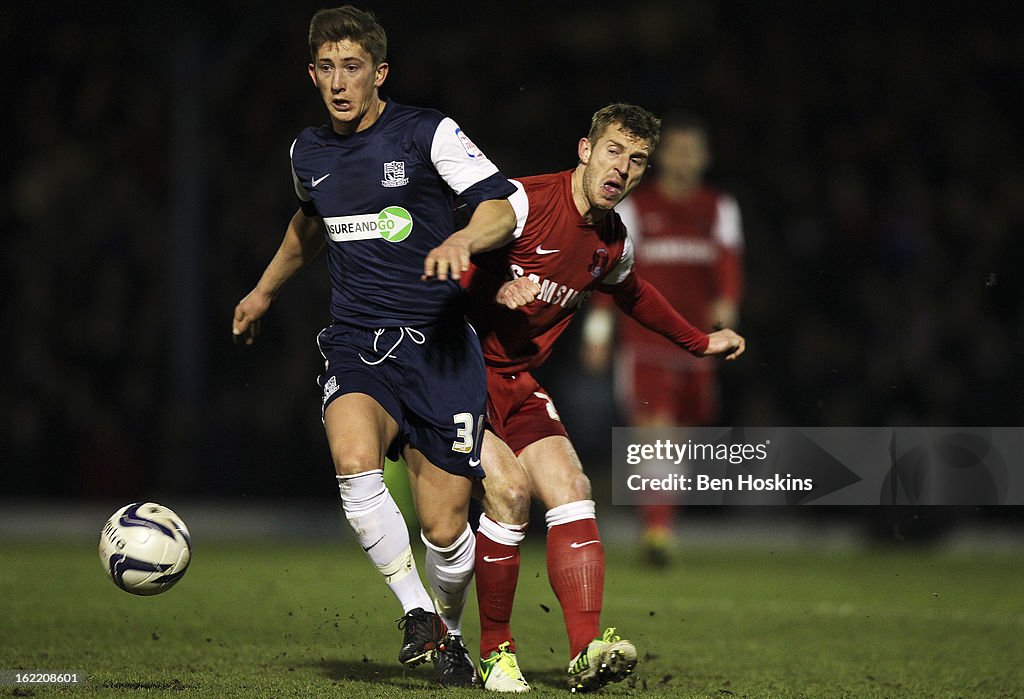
403	372
688	241
568	243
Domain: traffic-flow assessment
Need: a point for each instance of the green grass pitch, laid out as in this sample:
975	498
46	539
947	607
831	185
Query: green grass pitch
292	620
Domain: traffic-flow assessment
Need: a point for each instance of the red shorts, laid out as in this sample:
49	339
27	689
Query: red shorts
667	383
519	410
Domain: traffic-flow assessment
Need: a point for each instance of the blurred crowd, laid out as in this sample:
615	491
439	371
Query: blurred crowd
876	155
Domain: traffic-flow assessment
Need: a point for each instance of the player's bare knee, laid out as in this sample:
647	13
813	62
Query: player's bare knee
350	461
517	503
578	488
443	534
509	503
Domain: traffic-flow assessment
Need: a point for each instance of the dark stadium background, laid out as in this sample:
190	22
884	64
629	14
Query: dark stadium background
875	150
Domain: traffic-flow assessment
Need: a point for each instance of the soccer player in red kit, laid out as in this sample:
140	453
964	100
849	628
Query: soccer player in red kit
688	241
524	289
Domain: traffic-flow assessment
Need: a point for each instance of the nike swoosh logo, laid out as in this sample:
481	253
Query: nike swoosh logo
473	463
488	559
367	548
318	180
542	251
578	545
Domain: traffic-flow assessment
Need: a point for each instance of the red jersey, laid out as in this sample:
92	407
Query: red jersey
556	248
569	258
689	250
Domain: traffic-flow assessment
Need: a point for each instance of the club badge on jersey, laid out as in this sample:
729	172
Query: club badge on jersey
394	174
599	263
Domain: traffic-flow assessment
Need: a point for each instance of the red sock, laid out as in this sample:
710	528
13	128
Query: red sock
497	572
576	573
658	515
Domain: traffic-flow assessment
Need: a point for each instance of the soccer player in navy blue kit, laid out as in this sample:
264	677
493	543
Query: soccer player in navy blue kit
403	372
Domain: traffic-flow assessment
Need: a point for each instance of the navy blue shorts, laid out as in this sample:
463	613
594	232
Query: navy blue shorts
430	379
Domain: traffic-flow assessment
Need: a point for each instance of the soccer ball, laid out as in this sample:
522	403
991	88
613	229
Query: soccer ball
145	548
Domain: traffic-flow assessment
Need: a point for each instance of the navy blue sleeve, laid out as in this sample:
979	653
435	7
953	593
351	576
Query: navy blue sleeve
495	186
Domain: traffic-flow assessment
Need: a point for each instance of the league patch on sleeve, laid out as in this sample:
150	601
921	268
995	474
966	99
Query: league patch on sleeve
471	150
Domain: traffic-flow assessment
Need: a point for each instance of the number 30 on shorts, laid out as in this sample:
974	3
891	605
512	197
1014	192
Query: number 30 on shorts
465	436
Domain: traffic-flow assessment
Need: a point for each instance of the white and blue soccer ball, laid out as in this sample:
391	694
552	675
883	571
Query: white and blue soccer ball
145	548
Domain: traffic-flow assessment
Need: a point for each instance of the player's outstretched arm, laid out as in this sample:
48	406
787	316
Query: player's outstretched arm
491	226
640	300
725	343
302	242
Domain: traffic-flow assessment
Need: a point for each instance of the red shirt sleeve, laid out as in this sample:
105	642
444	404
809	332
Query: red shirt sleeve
642	302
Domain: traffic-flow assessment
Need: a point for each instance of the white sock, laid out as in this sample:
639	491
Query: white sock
381	532
449	571
501	532
570	512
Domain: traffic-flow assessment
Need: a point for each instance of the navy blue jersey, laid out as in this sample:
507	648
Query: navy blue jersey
385	195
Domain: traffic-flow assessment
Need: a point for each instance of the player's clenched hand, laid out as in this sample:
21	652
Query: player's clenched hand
449	259
245	325
725	343
517	292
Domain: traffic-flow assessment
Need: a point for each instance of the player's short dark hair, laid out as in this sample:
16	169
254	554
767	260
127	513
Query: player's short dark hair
636	121
685	121
351	24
